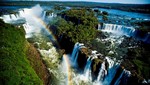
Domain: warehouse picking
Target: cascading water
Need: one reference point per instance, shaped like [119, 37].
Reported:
[106, 75]
[102, 72]
[113, 67]
[33, 19]
[87, 69]
[118, 80]
[121, 30]
[107, 71]
[118, 29]
[75, 52]
[44, 14]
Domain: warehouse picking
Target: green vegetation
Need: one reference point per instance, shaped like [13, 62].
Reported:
[104, 14]
[144, 26]
[78, 25]
[15, 67]
[56, 7]
[140, 57]
[99, 46]
[142, 68]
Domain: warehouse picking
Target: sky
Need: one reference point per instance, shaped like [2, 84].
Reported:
[105, 1]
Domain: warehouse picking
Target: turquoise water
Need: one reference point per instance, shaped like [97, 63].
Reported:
[126, 13]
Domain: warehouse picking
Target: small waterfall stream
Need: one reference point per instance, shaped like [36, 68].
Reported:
[87, 69]
[102, 72]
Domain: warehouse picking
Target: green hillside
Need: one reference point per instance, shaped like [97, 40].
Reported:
[15, 68]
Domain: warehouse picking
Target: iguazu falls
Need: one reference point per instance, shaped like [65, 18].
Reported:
[62, 42]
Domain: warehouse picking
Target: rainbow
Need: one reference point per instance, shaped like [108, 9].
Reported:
[66, 59]
[54, 39]
[35, 13]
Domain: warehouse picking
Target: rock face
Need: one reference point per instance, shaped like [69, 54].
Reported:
[37, 64]
[66, 44]
[83, 56]
[96, 64]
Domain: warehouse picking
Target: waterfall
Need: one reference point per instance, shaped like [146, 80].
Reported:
[75, 52]
[123, 77]
[107, 72]
[113, 67]
[127, 74]
[33, 21]
[13, 16]
[111, 74]
[6, 18]
[44, 15]
[87, 69]
[24, 14]
[102, 72]
[118, 80]
[124, 30]
[106, 76]
[118, 29]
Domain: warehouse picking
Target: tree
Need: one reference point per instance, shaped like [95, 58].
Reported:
[80, 25]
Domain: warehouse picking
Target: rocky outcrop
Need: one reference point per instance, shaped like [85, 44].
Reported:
[38, 64]
[95, 67]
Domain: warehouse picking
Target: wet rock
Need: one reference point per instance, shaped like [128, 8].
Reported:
[82, 58]
[95, 67]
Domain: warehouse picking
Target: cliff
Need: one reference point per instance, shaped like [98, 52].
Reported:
[20, 62]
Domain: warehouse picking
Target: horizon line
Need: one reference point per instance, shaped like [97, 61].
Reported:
[77, 1]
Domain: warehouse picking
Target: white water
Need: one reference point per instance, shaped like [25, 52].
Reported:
[105, 75]
[102, 72]
[121, 30]
[113, 67]
[118, 29]
[75, 52]
[34, 21]
[87, 70]
[44, 15]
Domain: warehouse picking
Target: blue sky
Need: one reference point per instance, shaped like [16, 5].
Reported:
[106, 1]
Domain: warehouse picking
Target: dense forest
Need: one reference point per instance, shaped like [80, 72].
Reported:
[75, 25]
